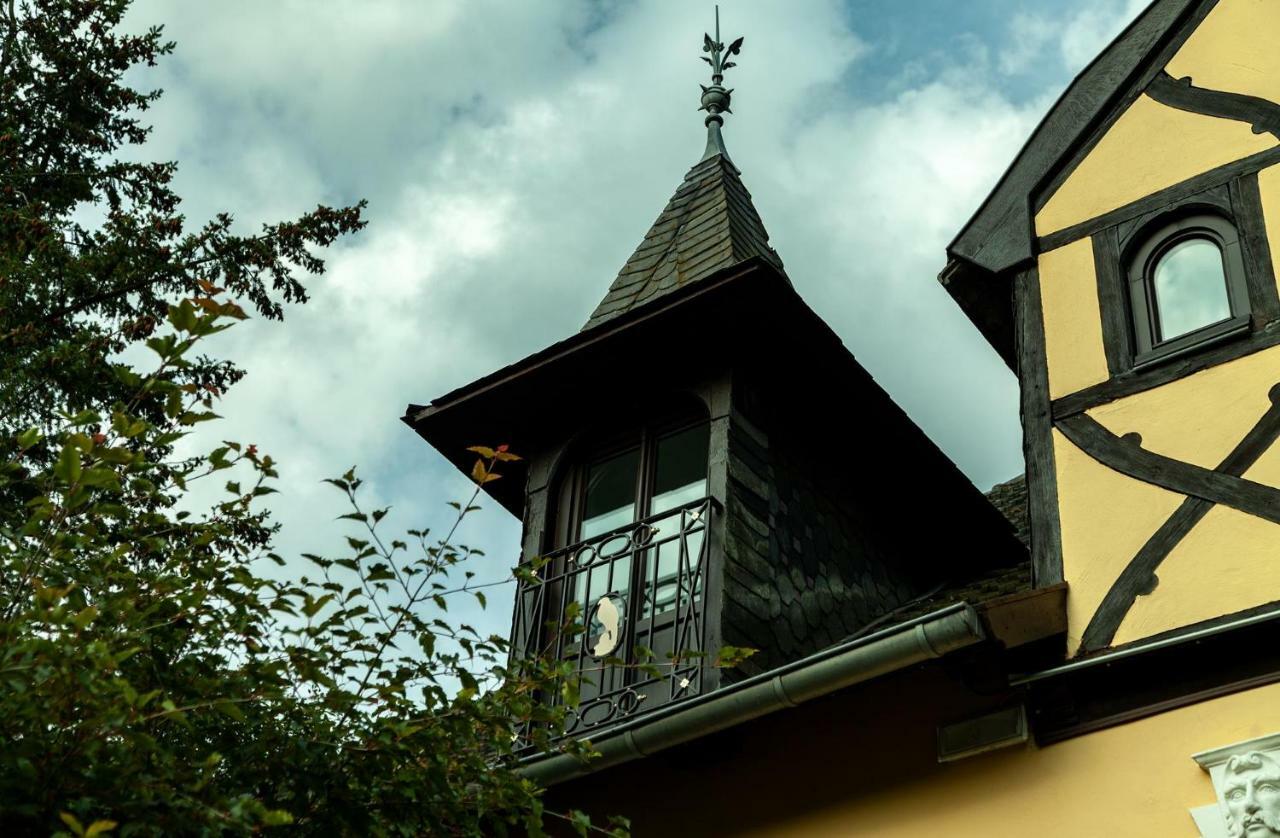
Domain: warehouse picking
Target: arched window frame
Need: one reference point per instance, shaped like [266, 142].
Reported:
[573, 564]
[569, 485]
[1147, 345]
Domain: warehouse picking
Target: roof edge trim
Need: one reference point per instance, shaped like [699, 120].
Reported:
[1070, 121]
[862, 659]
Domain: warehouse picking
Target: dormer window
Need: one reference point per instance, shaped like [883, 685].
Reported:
[663, 470]
[1187, 287]
[630, 520]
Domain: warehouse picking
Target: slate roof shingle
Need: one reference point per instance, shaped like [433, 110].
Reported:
[1010, 498]
[709, 224]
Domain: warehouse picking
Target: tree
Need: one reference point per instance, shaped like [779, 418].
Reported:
[153, 679]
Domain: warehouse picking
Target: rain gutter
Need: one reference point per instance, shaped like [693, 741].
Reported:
[851, 662]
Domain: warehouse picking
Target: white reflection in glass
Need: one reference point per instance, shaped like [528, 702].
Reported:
[610, 503]
[680, 477]
[1190, 288]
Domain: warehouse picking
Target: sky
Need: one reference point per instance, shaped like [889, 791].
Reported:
[514, 154]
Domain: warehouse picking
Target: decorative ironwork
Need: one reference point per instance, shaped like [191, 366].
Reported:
[716, 98]
[717, 54]
[640, 589]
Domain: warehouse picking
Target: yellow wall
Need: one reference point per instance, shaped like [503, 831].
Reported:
[1152, 146]
[1072, 324]
[1226, 564]
[1229, 562]
[1200, 418]
[1149, 148]
[1106, 518]
[1248, 31]
[1133, 780]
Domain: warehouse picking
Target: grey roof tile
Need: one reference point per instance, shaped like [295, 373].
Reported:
[709, 224]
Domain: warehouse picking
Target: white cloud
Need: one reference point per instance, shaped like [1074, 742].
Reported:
[1071, 41]
[514, 155]
[1094, 26]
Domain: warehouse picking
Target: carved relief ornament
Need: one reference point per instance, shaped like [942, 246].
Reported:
[1246, 778]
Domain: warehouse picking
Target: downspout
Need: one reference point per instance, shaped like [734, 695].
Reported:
[835, 668]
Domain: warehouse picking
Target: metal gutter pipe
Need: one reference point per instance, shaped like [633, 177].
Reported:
[1142, 648]
[835, 668]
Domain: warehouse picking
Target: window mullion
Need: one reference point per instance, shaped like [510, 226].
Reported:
[638, 557]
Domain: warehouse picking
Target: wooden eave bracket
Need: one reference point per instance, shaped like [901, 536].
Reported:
[1027, 616]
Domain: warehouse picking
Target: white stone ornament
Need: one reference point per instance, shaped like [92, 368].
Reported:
[1246, 777]
[608, 616]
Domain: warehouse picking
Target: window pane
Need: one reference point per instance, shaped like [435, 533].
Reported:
[611, 494]
[1190, 288]
[680, 475]
[671, 582]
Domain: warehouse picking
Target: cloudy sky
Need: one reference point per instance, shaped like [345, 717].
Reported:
[513, 154]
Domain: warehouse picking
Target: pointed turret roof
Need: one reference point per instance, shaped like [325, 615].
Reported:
[708, 225]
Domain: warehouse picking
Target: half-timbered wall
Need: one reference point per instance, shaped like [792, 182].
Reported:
[1165, 474]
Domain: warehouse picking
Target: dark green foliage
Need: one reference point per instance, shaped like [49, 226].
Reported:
[153, 678]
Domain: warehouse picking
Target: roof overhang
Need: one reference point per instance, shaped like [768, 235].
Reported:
[1000, 237]
[743, 319]
[1092, 692]
[720, 319]
[987, 300]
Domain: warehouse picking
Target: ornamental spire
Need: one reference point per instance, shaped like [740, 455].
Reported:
[715, 99]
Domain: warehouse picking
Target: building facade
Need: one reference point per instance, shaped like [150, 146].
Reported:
[1091, 650]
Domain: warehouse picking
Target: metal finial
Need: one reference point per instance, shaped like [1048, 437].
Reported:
[716, 98]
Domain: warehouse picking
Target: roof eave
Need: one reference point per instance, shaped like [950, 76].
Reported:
[999, 239]
[986, 299]
[1000, 233]
[1009, 622]
[468, 410]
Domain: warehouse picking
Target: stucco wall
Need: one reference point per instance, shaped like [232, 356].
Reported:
[1134, 780]
[863, 762]
[1228, 562]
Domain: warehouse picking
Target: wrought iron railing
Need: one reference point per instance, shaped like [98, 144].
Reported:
[640, 592]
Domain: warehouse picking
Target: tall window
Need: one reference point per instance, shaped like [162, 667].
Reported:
[1187, 286]
[630, 525]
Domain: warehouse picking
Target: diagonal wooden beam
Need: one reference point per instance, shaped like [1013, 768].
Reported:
[1204, 489]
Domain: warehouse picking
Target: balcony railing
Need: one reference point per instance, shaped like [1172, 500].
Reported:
[640, 592]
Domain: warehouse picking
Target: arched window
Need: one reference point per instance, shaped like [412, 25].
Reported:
[628, 554]
[1187, 286]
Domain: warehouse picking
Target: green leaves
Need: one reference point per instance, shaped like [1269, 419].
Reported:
[28, 438]
[312, 605]
[731, 656]
[68, 468]
[98, 827]
[156, 676]
[85, 616]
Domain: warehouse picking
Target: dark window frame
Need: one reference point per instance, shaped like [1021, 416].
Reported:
[567, 507]
[1239, 200]
[1148, 348]
[570, 488]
